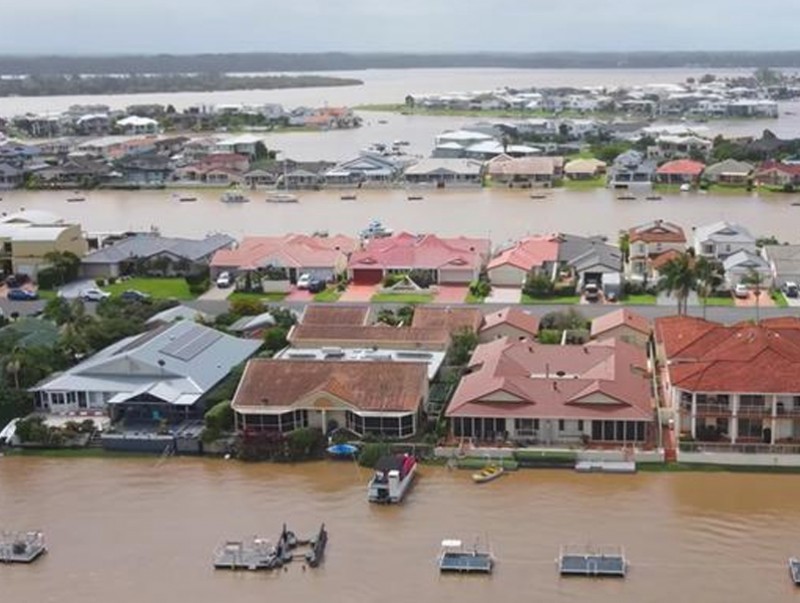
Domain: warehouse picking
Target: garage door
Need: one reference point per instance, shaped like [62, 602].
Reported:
[506, 276]
[367, 276]
[458, 277]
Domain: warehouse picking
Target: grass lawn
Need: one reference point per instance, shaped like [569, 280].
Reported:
[780, 299]
[159, 288]
[564, 299]
[268, 297]
[579, 185]
[719, 301]
[47, 294]
[331, 294]
[473, 299]
[402, 298]
[644, 299]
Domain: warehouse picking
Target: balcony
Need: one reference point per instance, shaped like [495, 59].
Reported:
[754, 411]
[718, 410]
[791, 412]
[787, 447]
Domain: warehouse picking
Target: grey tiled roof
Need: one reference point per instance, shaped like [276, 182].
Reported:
[145, 246]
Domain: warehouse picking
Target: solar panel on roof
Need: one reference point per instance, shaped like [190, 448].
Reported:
[191, 343]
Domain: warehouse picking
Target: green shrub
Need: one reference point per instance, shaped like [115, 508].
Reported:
[100, 282]
[220, 417]
[112, 280]
[538, 285]
[247, 307]
[47, 279]
[480, 288]
[370, 453]
[390, 280]
[550, 336]
[275, 339]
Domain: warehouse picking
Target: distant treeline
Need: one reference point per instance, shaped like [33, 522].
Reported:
[270, 62]
[50, 85]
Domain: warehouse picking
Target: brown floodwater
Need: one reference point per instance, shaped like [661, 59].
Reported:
[139, 530]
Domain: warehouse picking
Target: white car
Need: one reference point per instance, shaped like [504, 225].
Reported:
[224, 280]
[741, 291]
[94, 295]
[304, 281]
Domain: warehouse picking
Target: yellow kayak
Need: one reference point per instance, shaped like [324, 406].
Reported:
[487, 474]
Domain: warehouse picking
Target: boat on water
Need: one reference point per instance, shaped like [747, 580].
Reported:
[314, 556]
[187, 199]
[261, 554]
[626, 197]
[653, 197]
[282, 198]
[392, 479]
[487, 474]
[794, 570]
[455, 558]
[76, 199]
[686, 187]
[415, 197]
[376, 230]
[348, 197]
[342, 451]
[234, 197]
[21, 547]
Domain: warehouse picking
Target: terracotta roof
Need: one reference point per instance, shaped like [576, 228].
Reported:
[682, 166]
[600, 380]
[335, 315]
[658, 261]
[406, 250]
[355, 336]
[525, 166]
[786, 168]
[293, 251]
[657, 231]
[514, 317]
[527, 253]
[707, 356]
[450, 319]
[366, 386]
[617, 318]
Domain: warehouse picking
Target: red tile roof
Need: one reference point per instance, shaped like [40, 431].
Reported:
[335, 315]
[450, 319]
[528, 253]
[357, 336]
[682, 166]
[366, 386]
[657, 231]
[404, 251]
[786, 168]
[514, 317]
[600, 380]
[658, 261]
[292, 251]
[622, 317]
[710, 357]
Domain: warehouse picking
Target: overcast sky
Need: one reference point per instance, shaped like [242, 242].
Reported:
[185, 26]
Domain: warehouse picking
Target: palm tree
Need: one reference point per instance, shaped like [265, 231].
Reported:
[755, 280]
[678, 277]
[14, 365]
[710, 275]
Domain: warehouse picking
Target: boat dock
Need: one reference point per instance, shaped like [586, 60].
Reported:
[605, 466]
[22, 547]
[454, 558]
[794, 569]
[596, 562]
[260, 554]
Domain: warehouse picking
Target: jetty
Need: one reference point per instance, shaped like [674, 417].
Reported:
[261, 554]
[454, 558]
[21, 547]
[794, 570]
[598, 562]
[605, 466]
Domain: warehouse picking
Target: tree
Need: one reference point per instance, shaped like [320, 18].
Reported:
[275, 339]
[710, 275]
[755, 280]
[538, 285]
[678, 277]
[625, 245]
[461, 346]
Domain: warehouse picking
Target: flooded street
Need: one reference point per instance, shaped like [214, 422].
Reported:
[134, 530]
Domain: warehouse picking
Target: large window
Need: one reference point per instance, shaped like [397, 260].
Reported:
[619, 431]
[482, 429]
[751, 428]
[526, 426]
[390, 427]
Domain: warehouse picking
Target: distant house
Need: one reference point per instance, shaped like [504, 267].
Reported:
[680, 171]
[377, 398]
[631, 168]
[676, 147]
[624, 325]
[649, 241]
[591, 260]
[75, 172]
[446, 260]
[525, 172]
[28, 236]
[511, 266]
[242, 144]
[160, 374]
[721, 239]
[512, 323]
[10, 176]
[775, 173]
[729, 171]
[134, 125]
[364, 169]
[742, 264]
[260, 177]
[594, 394]
[584, 169]
[216, 168]
[444, 172]
[154, 253]
[784, 261]
[144, 170]
[452, 319]
[175, 314]
[252, 327]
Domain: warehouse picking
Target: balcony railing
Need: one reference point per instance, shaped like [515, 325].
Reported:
[712, 409]
[784, 448]
[754, 411]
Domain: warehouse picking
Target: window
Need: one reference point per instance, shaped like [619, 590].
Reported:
[580, 425]
[561, 424]
[751, 428]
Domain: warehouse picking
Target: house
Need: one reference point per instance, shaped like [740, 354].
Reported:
[623, 325]
[594, 394]
[526, 171]
[151, 253]
[10, 176]
[511, 323]
[775, 173]
[729, 171]
[28, 236]
[511, 266]
[93, 124]
[366, 168]
[292, 254]
[489, 149]
[591, 260]
[133, 125]
[631, 168]
[721, 239]
[246, 145]
[320, 315]
[147, 170]
[160, 374]
[732, 385]
[452, 319]
[75, 172]
[649, 241]
[260, 177]
[252, 327]
[742, 264]
[215, 167]
[675, 147]
[378, 398]
[680, 171]
[175, 314]
[784, 262]
[368, 337]
[444, 172]
[584, 169]
[445, 260]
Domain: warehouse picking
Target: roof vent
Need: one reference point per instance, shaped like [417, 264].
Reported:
[555, 386]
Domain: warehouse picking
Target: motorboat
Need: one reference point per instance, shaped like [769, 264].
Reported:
[234, 197]
[376, 230]
[342, 451]
[413, 197]
[348, 197]
[686, 187]
[23, 547]
[626, 197]
[487, 474]
[392, 479]
[282, 198]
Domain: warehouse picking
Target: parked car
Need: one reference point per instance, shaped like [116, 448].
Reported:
[224, 280]
[132, 295]
[94, 295]
[741, 291]
[304, 281]
[317, 285]
[22, 295]
[790, 289]
[591, 292]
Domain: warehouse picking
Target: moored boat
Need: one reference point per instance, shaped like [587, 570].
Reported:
[234, 197]
[24, 547]
[794, 569]
[376, 230]
[392, 479]
[488, 473]
[76, 199]
[342, 451]
[282, 198]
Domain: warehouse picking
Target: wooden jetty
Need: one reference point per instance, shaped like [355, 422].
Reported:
[454, 558]
[794, 570]
[21, 547]
[599, 562]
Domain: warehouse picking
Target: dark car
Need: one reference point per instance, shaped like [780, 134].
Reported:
[22, 295]
[317, 286]
[132, 295]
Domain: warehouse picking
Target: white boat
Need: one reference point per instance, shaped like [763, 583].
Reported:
[686, 187]
[392, 479]
[376, 230]
[282, 198]
[234, 197]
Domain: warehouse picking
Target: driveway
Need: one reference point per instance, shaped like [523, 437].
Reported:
[358, 293]
[669, 300]
[504, 295]
[73, 290]
[216, 294]
[299, 295]
[451, 294]
[764, 300]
